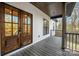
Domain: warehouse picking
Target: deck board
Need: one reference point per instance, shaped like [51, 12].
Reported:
[47, 47]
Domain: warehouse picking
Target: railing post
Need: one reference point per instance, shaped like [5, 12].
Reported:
[63, 26]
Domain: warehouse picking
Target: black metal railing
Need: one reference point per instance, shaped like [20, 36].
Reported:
[72, 41]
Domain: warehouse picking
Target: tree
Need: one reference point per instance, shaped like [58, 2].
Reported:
[74, 17]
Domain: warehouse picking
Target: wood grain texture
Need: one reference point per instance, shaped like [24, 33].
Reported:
[43, 6]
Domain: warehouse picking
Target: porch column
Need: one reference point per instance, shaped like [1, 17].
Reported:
[63, 26]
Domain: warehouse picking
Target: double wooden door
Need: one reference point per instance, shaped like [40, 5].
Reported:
[17, 28]
[26, 28]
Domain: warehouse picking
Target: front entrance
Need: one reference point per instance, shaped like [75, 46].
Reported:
[16, 28]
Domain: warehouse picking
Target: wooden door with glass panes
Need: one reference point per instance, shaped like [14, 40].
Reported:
[26, 27]
[15, 29]
[11, 22]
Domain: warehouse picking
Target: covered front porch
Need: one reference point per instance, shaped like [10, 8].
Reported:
[35, 35]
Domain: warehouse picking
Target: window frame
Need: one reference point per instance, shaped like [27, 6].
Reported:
[45, 27]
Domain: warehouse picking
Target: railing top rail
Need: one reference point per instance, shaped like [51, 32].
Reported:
[73, 33]
[58, 30]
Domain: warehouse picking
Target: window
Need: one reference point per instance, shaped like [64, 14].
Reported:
[11, 22]
[53, 27]
[59, 24]
[45, 27]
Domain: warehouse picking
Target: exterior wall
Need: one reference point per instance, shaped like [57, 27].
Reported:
[52, 27]
[38, 17]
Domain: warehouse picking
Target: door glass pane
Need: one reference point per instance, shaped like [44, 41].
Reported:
[25, 20]
[15, 31]
[7, 18]
[29, 20]
[24, 28]
[8, 31]
[7, 11]
[8, 25]
[15, 17]
[15, 25]
[29, 29]
[7, 15]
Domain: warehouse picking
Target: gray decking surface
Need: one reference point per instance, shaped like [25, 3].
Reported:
[47, 47]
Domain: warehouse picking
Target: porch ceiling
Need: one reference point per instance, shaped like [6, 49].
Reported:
[50, 8]
[54, 9]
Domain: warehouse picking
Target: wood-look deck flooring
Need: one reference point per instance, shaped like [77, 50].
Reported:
[47, 47]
